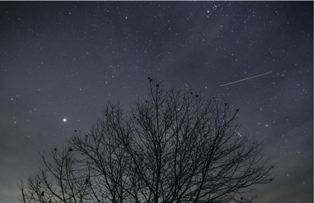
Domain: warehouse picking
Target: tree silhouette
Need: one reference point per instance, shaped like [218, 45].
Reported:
[175, 146]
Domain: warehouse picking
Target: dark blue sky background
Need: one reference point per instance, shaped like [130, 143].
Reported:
[66, 59]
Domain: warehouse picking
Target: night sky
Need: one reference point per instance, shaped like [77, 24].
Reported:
[60, 62]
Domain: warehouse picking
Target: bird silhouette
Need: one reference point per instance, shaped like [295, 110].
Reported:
[86, 138]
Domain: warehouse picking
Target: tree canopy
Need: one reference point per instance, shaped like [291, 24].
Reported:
[175, 146]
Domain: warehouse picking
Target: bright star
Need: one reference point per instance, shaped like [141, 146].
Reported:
[64, 120]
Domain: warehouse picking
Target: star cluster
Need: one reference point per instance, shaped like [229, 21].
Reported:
[60, 62]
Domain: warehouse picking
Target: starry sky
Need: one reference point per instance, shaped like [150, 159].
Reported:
[60, 62]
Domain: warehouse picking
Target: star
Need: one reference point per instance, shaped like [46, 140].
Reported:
[64, 120]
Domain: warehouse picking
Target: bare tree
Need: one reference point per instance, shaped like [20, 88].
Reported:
[176, 146]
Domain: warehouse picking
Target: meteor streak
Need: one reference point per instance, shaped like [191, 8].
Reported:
[230, 83]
